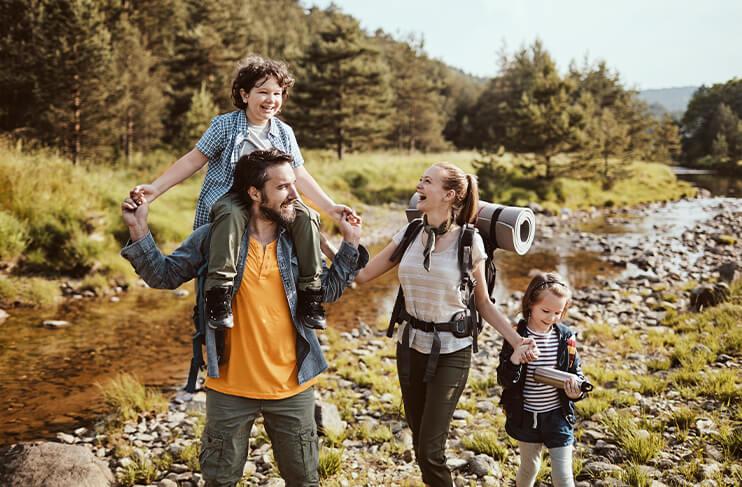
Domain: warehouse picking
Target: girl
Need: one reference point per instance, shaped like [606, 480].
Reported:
[430, 275]
[540, 414]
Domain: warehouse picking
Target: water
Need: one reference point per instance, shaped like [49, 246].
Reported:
[49, 376]
[717, 184]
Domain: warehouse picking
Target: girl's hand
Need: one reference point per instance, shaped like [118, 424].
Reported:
[524, 354]
[531, 352]
[572, 388]
[338, 212]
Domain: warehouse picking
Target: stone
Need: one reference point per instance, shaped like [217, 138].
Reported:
[167, 483]
[3, 315]
[456, 463]
[600, 469]
[55, 324]
[328, 418]
[45, 464]
[482, 465]
[461, 414]
[705, 426]
[181, 293]
[64, 437]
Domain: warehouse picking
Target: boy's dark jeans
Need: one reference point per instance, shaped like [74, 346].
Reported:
[228, 223]
[429, 408]
[290, 426]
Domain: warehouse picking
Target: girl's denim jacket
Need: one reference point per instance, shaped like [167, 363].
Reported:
[190, 261]
[513, 377]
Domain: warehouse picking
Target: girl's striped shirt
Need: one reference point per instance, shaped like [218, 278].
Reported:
[537, 397]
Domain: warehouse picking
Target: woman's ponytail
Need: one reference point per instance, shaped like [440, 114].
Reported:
[470, 207]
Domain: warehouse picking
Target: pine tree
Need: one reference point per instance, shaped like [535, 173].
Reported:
[74, 76]
[343, 97]
[197, 119]
[419, 117]
[138, 99]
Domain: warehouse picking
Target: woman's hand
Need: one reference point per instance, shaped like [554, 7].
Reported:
[525, 352]
[572, 388]
[142, 193]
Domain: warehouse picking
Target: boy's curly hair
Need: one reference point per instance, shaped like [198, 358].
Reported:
[254, 69]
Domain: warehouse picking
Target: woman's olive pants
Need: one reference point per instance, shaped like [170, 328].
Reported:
[429, 408]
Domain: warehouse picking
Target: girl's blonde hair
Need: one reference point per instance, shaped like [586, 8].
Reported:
[542, 282]
[466, 202]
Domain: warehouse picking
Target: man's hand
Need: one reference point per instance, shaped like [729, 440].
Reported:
[338, 212]
[143, 192]
[350, 228]
[135, 217]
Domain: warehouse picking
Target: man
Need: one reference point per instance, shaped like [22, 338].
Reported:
[273, 361]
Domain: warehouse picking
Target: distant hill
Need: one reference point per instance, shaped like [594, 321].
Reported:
[668, 100]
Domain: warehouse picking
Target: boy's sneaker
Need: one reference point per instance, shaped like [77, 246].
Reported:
[311, 313]
[219, 307]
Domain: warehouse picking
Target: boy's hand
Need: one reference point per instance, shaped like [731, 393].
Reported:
[338, 212]
[143, 192]
[572, 388]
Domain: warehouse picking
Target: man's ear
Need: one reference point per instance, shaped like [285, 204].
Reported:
[254, 194]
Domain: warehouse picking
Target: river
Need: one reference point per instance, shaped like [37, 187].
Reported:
[50, 376]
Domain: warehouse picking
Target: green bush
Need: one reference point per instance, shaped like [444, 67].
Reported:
[14, 237]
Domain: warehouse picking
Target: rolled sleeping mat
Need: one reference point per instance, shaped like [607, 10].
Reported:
[505, 227]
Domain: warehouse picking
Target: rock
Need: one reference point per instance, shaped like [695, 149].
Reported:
[456, 463]
[44, 464]
[705, 426]
[65, 438]
[728, 272]
[461, 414]
[600, 469]
[328, 418]
[115, 299]
[181, 293]
[482, 465]
[167, 483]
[55, 324]
[3, 315]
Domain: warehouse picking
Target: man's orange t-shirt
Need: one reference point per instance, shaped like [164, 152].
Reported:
[262, 345]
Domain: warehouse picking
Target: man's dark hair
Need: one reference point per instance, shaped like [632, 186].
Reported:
[252, 170]
[254, 69]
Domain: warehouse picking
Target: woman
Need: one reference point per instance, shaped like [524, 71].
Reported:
[430, 276]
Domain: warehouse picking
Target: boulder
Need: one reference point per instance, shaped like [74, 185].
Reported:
[328, 418]
[45, 464]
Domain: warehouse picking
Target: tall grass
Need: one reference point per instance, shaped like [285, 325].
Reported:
[128, 397]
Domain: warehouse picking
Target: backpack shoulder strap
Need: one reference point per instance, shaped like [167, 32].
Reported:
[399, 312]
[413, 228]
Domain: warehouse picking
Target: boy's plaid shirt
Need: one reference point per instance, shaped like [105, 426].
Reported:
[222, 143]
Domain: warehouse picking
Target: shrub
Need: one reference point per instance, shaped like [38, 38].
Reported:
[330, 460]
[129, 398]
[639, 446]
[14, 238]
[486, 442]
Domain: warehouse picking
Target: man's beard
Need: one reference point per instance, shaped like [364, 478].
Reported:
[285, 216]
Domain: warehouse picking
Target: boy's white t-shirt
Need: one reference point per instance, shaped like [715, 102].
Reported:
[435, 295]
[257, 138]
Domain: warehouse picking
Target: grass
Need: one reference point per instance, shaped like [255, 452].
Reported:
[635, 476]
[128, 397]
[730, 438]
[638, 445]
[330, 461]
[140, 470]
[378, 434]
[189, 456]
[31, 291]
[486, 442]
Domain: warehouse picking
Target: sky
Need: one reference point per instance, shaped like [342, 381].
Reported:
[651, 43]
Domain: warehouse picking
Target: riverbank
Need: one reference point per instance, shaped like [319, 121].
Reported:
[665, 410]
[61, 234]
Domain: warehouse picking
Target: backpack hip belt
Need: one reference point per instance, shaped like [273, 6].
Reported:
[460, 325]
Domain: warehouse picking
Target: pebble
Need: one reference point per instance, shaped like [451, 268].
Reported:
[55, 324]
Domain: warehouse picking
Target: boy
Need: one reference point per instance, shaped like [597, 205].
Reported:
[259, 89]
